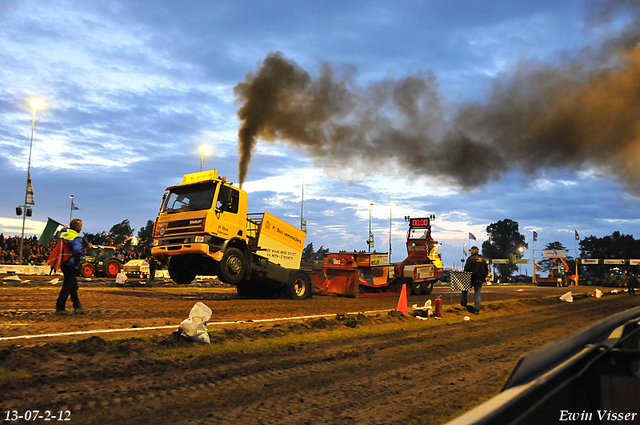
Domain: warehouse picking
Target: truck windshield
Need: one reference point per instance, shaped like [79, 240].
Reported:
[190, 198]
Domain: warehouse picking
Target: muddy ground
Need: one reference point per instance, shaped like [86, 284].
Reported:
[378, 367]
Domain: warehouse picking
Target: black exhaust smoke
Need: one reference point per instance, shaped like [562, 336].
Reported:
[582, 114]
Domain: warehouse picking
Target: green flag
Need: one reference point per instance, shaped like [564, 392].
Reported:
[49, 231]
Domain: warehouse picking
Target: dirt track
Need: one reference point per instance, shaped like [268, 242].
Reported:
[358, 369]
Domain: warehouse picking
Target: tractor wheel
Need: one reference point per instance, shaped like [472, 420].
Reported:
[111, 268]
[87, 270]
[299, 286]
[180, 272]
[233, 266]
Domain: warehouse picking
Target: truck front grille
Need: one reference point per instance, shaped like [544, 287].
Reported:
[185, 226]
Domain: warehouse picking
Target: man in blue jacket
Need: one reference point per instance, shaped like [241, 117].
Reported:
[70, 266]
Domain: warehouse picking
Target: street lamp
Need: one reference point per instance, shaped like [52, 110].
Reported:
[204, 149]
[35, 104]
[521, 251]
[370, 242]
[390, 208]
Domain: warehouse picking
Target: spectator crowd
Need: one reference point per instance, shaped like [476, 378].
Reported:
[34, 254]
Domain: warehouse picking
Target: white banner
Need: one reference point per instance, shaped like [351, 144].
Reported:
[554, 253]
[618, 262]
[590, 261]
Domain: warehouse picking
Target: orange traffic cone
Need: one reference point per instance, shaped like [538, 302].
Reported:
[402, 302]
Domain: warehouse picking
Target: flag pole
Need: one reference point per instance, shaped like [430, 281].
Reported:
[576, 246]
[26, 193]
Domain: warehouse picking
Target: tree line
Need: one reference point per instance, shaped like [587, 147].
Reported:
[505, 240]
[121, 234]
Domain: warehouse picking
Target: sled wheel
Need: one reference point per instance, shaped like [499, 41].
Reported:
[416, 287]
[299, 286]
[427, 287]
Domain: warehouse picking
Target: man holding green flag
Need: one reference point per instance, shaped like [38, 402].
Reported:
[71, 237]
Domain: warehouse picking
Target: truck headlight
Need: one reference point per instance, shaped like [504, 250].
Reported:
[199, 238]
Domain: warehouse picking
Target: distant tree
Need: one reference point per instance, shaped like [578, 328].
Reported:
[614, 246]
[120, 232]
[100, 238]
[504, 241]
[307, 252]
[319, 255]
[145, 234]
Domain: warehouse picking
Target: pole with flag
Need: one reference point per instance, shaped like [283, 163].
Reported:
[577, 238]
[74, 207]
[471, 236]
[533, 255]
[28, 195]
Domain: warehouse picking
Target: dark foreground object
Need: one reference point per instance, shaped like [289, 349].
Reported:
[590, 376]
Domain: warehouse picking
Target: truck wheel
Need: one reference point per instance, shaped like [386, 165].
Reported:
[299, 286]
[111, 268]
[87, 270]
[180, 272]
[233, 266]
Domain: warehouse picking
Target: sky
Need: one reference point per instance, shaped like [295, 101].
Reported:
[473, 110]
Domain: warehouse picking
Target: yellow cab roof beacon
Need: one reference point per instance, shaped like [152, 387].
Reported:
[203, 228]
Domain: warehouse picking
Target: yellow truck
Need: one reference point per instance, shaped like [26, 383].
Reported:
[203, 228]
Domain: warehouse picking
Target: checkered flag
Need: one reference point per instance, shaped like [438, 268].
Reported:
[460, 281]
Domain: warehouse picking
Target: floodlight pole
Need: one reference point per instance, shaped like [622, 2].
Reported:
[26, 191]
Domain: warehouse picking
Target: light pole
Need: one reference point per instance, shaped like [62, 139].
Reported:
[303, 225]
[35, 104]
[370, 234]
[204, 149]
[390, 212]
[71, 213]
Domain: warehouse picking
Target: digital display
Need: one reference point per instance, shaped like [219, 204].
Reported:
[419, 222]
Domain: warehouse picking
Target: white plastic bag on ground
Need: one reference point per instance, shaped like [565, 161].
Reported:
[121, 278]
[567, 297]
[195, 325]
[423, 312]
[597, 293]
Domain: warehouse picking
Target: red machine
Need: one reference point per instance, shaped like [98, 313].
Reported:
[361, 274]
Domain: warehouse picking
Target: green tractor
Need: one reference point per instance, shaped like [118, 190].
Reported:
[100, 261]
